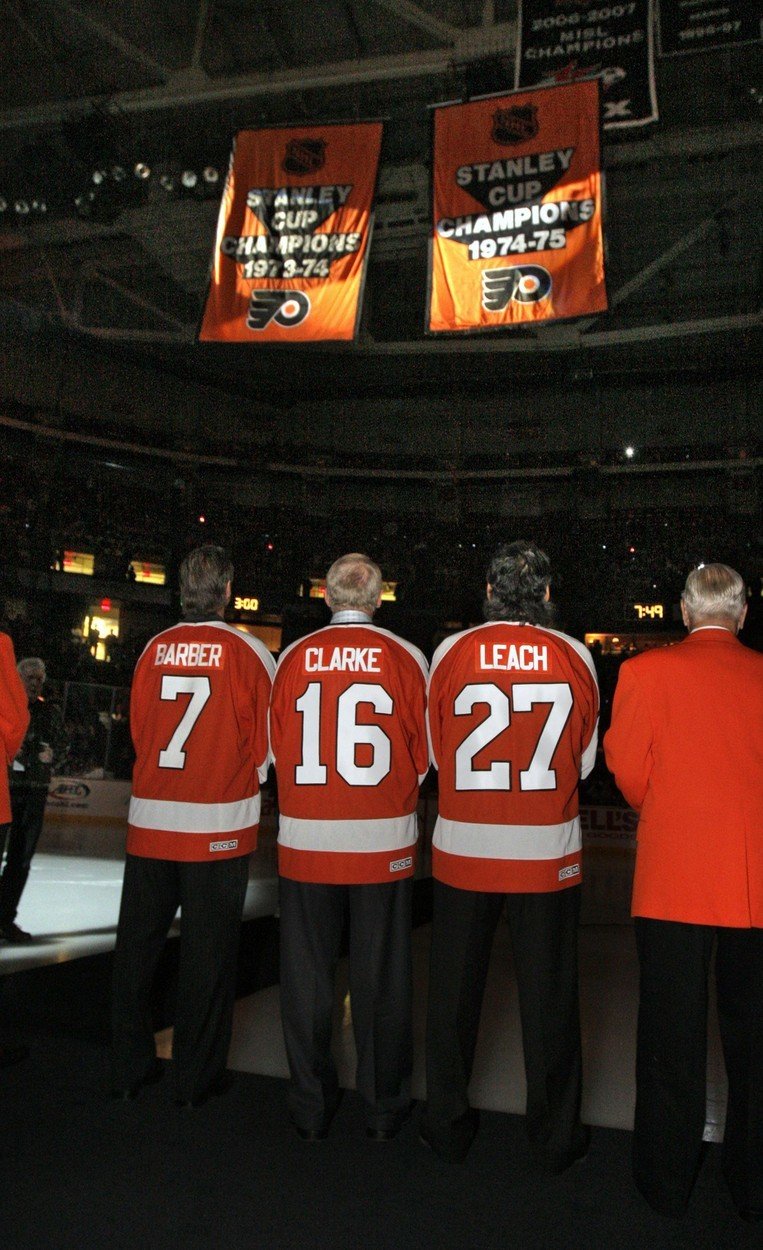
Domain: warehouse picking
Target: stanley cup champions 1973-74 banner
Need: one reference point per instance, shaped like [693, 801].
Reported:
[293, 234]
[517, 210]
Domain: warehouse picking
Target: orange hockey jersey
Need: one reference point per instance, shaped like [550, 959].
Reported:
[198, 717]
[348, 735]
[14, 719]
[513, 716]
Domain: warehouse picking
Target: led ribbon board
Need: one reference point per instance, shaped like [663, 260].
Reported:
[517, 210]
[293, 234]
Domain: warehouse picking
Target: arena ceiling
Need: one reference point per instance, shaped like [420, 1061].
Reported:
[88, 84]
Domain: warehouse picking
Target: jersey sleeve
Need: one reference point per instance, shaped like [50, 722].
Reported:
[629, 740]
[254, 699]
[14, 710]
[590, 722]
[416, 727]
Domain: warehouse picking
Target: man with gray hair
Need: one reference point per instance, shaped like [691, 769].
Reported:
[29, 777]
[198, 718]
[349, 743]
[686, 750]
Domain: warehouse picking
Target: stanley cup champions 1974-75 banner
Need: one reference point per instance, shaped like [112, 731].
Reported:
[293, 234]
[517, 210]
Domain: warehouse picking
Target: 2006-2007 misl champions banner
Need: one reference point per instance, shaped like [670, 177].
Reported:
[517, 210]
[293, 234]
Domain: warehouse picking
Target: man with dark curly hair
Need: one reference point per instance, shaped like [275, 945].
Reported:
[513, 714]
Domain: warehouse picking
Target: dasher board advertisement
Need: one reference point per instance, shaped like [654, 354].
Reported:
[564, 40]
[517, 233]
[293, 234]
[693, 25]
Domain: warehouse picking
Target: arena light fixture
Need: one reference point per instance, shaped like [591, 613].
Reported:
[99, 176]
[167, 183]
[630, 452]
[22, 208]
[189, 178]
[142, 171]
[211, 175]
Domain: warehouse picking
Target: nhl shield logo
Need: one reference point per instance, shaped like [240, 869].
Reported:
[515, 125]
[304, 156]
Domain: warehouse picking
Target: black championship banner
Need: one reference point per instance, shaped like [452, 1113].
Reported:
[693, 25]
[564, 40]
[293, 234]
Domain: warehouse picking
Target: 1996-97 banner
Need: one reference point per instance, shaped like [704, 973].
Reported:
[517, 210]
[293, 234]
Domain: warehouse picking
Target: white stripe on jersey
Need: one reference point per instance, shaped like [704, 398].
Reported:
[391, 833]
[458, 837]
[203, 818]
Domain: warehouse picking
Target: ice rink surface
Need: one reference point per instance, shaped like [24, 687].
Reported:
[71, 905]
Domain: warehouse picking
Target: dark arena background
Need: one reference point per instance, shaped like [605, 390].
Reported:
[626, 443]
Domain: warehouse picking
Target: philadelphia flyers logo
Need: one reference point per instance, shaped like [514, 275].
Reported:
[285, 308]
[524, 283]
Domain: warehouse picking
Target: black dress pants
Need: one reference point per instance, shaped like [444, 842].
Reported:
[671, 1060]
[544, 940]
[313, 917]
[211, 899]
[27, 815]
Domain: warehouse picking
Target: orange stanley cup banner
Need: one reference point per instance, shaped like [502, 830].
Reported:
[517, 210]
[293, 234]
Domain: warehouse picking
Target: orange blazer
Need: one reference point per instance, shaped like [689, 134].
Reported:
[14, 719]
[686, 750]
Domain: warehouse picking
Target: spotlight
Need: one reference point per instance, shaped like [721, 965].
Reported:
[22, 207]
[630, 452]
[167, 182]
[99, 176]
[83, 204]
[3, 204]
[142, 171]
[40, 207]
[189, 178]
[211, 175]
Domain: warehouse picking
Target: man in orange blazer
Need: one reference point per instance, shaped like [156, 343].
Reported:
[686, 750]
[14, 721]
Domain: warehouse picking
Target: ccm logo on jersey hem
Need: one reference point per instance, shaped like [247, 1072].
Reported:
[342, 660]
[398, 865]
[573, 870]
[224, 846]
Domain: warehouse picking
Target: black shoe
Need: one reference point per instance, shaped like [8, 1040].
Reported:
[12, 1054]
[311, 1134]
[12, 933]
[555, 1166]
[456, 1146]
[219, 1086]
[388, 1131]
[126, 1093]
